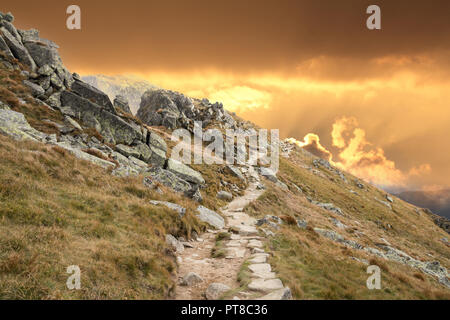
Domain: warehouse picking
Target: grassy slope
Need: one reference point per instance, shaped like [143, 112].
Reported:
[56, 211]
[317, 268]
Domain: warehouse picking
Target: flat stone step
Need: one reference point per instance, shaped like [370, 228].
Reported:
[260, 267]
[247, 230]
[259, 259]
[263, 285]
[282, 294]
[255, 244]
[263, 275]
[234, 253]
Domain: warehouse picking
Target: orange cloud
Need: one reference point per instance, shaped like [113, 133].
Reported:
[358, 156]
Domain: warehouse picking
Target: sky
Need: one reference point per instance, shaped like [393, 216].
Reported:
[373, 102]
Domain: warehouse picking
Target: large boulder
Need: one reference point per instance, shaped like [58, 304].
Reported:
[164, 108]
[168, 179]
[17, 49]
[93, 94]
[112, 127]
[185, 172]
[36, 90]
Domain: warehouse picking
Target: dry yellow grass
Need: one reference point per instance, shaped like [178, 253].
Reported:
[57, 211]
[317, 268]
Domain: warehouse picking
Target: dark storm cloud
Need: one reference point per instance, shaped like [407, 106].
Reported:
[241, 36]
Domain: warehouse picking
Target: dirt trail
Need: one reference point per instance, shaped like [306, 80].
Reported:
[246, 244]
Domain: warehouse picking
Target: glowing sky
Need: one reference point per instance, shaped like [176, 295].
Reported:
[300, 66]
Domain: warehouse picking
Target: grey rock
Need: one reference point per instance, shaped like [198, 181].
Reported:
[8, 17]
[210, 217]
[173, 206]
[194, 193]
[10, 27]
[268, 174]
[105, 122]
[15, 125]
[158, 157]
[302, 224]
[4, 47]
[264, 285]
[157, 141]
[36, 90]
[224, 195]
[18, 50]
[127, 151]
[45, 70]
[93, 94]
[281, 294]
[174, 243]
[55, 101]
[184, 172]
[31, 35]
[168, 179]
[235, 171]
[216, 290]
[191, 279]
[121, 103]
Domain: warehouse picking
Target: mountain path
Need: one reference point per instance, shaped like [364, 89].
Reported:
[245, 245]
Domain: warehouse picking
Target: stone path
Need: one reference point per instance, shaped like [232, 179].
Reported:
[245, 245]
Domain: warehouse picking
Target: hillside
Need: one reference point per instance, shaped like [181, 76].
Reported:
[85, 182]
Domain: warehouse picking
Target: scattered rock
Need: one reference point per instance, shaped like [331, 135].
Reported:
[216, 290]
[302, 224]
[181, 211]
[191, 279]
[224, 195]
[174, 243]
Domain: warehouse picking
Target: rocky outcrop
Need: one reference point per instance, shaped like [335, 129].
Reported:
[174, 110]
[113, 128]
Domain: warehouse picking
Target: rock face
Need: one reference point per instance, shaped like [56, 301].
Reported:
[210, 217]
